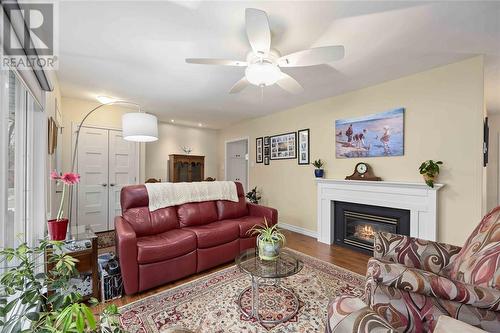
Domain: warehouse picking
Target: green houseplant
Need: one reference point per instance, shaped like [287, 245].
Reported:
[253, 196]
[430, 170]
[270, 240]
[25, 304]
[319, 172]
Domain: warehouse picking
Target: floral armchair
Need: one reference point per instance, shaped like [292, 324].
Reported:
[411, 282]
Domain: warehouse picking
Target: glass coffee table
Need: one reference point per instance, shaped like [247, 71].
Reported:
[266, 278]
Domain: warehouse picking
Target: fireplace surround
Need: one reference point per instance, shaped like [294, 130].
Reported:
[356, 224]
[418, 198]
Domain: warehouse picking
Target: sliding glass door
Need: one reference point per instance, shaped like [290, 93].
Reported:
[18, 170]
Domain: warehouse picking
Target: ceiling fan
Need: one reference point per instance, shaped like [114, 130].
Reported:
[263, 63]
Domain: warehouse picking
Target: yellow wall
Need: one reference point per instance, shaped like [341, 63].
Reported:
[202, 141]
[153, 156]
[443, 120]
[492, 184]
[73, 111]
[52, 99]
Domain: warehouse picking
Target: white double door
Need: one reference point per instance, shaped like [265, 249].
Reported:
[106, 163]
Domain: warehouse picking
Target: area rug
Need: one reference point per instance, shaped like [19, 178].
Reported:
[105, 239]
[209, 304]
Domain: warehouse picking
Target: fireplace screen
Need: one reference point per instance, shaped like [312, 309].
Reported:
[356, 224]
[360, 228]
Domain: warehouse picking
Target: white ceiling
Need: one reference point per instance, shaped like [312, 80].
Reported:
[135, 50]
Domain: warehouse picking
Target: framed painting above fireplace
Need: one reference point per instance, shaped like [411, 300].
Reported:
[356, 224]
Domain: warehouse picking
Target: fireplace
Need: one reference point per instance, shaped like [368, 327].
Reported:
[356, 224]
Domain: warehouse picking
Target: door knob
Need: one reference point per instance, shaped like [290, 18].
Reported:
[112, 184]
[104, 185]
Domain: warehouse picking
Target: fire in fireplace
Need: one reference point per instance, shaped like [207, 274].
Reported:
[355, 225]
[364, 232]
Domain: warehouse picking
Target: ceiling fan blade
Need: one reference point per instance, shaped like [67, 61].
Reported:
[239, 86]
[223, 62]
[311, 57]
[289, 84]
[258, 31]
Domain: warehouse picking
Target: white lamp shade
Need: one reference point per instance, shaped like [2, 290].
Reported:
[140, 127]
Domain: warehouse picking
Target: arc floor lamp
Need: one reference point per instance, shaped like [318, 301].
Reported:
[136, 127]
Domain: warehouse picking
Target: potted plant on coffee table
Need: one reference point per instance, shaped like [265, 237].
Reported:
[59, 226]
[270, 240]
[319, 172]
[430, 170]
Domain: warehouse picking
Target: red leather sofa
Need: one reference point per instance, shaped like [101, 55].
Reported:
[170, 243]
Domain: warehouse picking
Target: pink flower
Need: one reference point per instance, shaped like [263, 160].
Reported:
[70, 178]
[54, 175]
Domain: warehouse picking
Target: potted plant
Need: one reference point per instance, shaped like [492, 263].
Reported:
[31, 297]
[430, 170]
[319, 172]
[59, 226]
[253, 196]
[270, 240]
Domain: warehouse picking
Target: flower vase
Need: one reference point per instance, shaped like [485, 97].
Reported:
[57, 229]
[319, 173]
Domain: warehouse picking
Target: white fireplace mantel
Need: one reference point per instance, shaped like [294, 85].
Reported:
[418, 198]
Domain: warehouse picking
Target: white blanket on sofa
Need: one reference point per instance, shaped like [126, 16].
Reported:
[163, 195]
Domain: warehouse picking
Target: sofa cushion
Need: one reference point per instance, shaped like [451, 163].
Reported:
[197, 213]
[215, 233]
[134, 202]
[164, 246]
[478, 263]
[232, 210]
[246, 223]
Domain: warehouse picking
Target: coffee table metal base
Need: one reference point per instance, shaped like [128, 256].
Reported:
[254, 291]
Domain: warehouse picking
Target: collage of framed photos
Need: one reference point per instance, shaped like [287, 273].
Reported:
[283, 146]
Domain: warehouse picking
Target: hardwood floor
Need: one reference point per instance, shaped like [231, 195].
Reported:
[343, 257]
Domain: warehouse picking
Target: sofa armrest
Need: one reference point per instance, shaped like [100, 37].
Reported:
[126, 246]
[430, 284]
[269, 213]
[413, 252]
[349, 314]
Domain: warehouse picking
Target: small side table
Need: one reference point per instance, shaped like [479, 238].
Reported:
[261, 270]
[86, 256]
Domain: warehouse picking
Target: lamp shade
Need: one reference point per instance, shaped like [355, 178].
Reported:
[140, 127]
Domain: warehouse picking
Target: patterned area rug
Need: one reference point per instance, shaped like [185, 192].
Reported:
[105, 239]
[209, 303]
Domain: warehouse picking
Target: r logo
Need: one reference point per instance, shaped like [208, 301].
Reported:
[35, 35]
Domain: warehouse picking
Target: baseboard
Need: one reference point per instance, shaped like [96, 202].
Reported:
[299, 230]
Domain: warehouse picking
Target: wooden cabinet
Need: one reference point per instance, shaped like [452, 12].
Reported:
[186, 168]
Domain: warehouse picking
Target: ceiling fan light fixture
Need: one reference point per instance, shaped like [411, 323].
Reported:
[263, 73]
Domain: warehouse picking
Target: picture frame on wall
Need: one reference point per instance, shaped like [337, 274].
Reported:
[266, 141]
[283, 146]
[375, 135]
[266, 160]
[266, 151]
[303, 146]
[259, 151]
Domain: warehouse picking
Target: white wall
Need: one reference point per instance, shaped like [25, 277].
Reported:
[202, 141]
